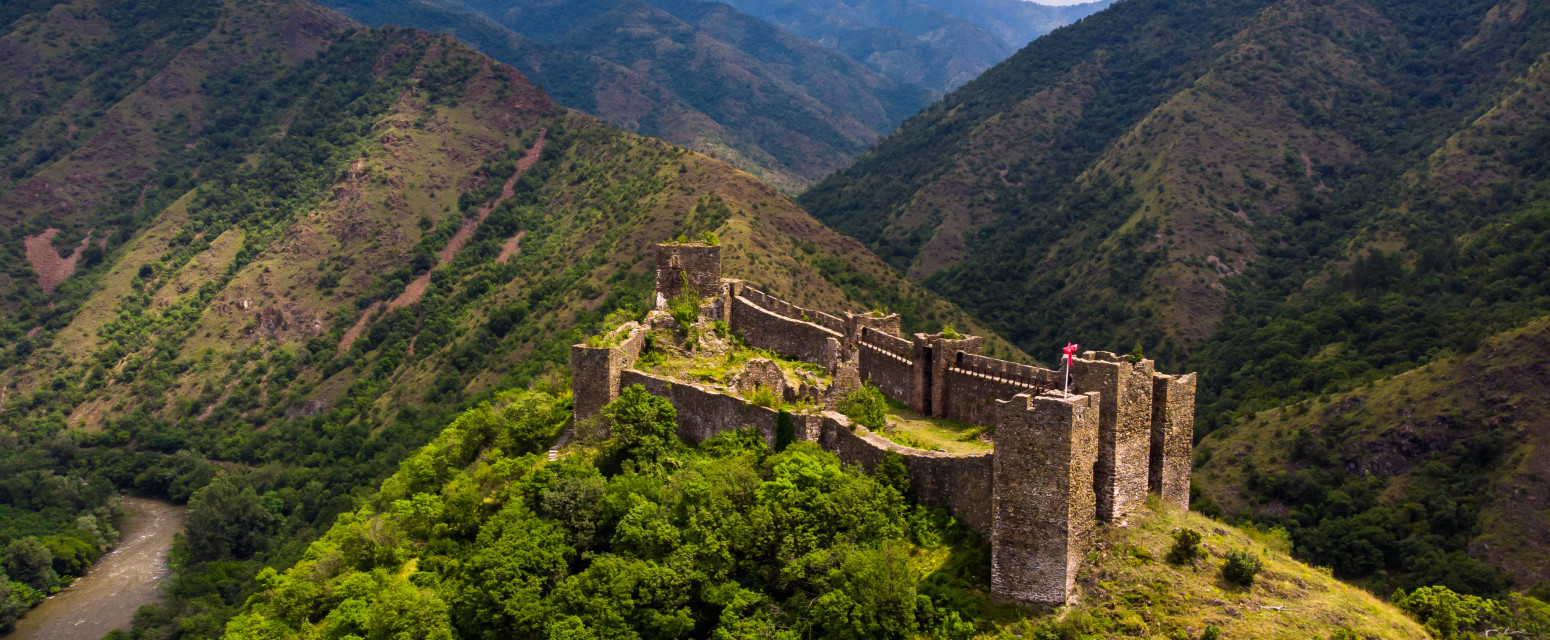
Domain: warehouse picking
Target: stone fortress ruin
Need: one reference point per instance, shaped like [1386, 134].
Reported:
[1060, 462]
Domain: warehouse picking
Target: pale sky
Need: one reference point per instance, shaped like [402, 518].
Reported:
[1060, 2]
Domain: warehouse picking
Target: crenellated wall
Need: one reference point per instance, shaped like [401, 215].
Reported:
[784, 335]
[889, 363]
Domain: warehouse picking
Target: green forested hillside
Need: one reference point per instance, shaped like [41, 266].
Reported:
[1292, 198]
[259, 251]
[698, 74]
[644, 536]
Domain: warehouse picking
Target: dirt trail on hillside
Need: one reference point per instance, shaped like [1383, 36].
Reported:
[51, 268]
[416, 289]
[354, 332]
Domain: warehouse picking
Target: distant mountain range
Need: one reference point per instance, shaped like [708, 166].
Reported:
[789, 91]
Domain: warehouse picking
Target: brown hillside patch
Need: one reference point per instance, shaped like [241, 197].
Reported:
[511, 247]
[51, 268]
[416, 289]
[354, 332]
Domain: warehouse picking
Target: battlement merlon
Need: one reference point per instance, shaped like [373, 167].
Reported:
[1043, 502]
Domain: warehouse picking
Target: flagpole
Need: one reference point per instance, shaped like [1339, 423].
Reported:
[1070, 351]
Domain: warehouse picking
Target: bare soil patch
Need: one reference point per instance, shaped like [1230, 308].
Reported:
[354, 332]
[51, 268]
[512, 246]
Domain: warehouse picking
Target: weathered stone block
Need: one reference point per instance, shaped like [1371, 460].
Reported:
[1124, 428]
[1173, 434]
[761, 372]
[1043, 502]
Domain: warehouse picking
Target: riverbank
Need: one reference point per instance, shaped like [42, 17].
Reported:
[118, 584]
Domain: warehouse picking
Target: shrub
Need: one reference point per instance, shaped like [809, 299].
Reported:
[710, 239]
[1212, 632]
[950, 333]
[866, 405]
[1186, 547]
[685, 306]
[1445, 614]
[1240, 568]
[764, 397]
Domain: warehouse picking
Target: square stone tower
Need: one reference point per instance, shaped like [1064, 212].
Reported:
[1124, 428]
[699, 261]
[1043, 502]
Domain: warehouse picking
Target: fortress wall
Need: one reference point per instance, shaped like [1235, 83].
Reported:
[889, 363]
[961, 482]
[1124, 428]
[1173, 434]
[1043, 502]
[786, 336]
[704, 412]
[701, 262]
[781, 307]
[972, 384]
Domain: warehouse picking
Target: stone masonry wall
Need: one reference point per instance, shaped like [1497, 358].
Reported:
[704, 412]
[1173, 435]
[888, 362]
[960, 482]
[781, 307]
[789, 337]
[701, 262]
[1124, 428]
[1043, 500]
[973, 384]
[595, 370]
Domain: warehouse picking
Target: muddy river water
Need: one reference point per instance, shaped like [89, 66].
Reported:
[121, 581]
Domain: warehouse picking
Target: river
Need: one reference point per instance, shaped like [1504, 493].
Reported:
[106, 597]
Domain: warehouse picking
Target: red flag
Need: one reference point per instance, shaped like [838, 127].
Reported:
[1070, 351]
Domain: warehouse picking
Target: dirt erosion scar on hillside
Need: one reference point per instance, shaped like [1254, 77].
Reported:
[415, 289]
[51, 268]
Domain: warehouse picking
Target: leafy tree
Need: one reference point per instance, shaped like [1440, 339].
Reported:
[645, 425]
[29, 562]
[866, 405]
[225, 521]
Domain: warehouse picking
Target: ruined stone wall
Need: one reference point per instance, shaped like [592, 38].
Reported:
[704, 412]
[960, 482]
[786, 336]
[1043, 502]
[1124, 428]
[595, 370]
[889, 363]
[701, 262]
[973, 384]
[1173, 435]
[854, 323]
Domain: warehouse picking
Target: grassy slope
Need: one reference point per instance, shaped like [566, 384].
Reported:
[1395, 428]
[1129, 584]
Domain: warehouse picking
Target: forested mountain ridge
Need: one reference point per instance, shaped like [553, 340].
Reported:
[1294, 199]
[698, 74]
[272, 252]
